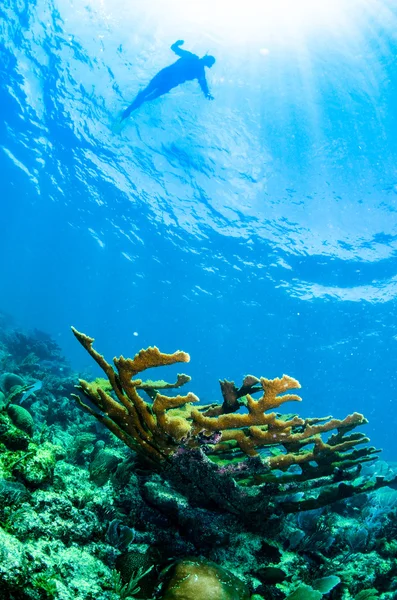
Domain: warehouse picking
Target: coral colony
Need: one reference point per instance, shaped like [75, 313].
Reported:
[301, 472]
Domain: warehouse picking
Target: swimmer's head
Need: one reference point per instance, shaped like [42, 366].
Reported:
[208, 61]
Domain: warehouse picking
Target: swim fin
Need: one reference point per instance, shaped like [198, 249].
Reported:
[119, 125]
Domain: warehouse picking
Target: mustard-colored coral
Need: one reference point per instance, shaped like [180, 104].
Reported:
[241, 427]
[147, 429]
[263, 428]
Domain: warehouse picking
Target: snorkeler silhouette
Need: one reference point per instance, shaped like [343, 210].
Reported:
[188, 67]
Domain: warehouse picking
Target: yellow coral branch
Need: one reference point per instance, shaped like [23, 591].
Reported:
[157, 430]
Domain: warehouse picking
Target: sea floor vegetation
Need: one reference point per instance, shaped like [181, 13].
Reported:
[147, 495]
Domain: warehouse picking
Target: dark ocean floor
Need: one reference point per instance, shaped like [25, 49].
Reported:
[81, 517]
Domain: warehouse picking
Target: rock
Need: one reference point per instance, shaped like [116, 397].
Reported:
[37, 468]
[271, 575]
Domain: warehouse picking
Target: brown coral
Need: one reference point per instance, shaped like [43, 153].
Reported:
[198, 579]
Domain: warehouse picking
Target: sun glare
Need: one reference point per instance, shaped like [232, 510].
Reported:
[242, 18]
[259, 21]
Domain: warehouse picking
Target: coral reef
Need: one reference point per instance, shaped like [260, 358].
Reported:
[84, 517]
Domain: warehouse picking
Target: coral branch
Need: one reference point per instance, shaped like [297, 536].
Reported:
[143, 427]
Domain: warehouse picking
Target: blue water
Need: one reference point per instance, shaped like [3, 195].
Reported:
[257, 232]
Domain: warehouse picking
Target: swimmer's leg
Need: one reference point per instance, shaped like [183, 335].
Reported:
[139, 100]
[158, 86]
[157, 93]
[145, 95]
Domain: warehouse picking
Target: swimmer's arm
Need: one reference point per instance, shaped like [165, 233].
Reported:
[176, 47]
[204, 87]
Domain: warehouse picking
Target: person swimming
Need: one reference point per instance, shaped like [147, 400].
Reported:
[188, 67]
